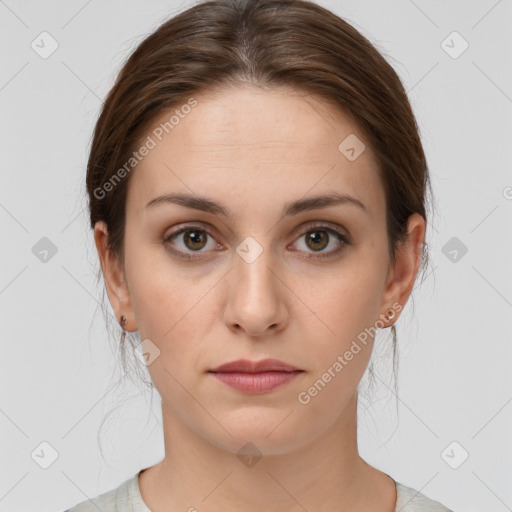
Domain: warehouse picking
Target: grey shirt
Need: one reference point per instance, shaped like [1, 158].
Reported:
[127, 498]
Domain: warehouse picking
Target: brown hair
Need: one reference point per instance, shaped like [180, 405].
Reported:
[267, 43]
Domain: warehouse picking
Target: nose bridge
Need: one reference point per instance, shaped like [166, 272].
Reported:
[253, 261]
[256, 301]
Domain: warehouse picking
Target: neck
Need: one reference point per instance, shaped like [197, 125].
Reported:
[327, 474]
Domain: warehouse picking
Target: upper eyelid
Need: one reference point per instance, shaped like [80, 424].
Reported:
[185, 226]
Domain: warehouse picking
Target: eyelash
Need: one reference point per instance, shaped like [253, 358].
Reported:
[194, 255]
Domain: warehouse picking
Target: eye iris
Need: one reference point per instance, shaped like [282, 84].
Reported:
[312, 236]
[197, 237]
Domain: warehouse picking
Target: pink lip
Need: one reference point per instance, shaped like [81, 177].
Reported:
[255, 376]
[247, 366]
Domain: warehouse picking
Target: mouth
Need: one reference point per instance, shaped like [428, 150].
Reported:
[255, 376]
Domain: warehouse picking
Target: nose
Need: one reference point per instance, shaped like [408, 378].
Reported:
[255, 303]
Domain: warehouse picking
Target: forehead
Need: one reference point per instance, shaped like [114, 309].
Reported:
[250, 141]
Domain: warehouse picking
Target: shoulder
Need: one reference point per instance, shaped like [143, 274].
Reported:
[410, 500]
[116, 500]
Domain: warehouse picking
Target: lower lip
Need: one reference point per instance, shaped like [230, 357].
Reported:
[255, 382]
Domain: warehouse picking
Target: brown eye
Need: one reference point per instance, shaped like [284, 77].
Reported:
[317, 240]
[325, 241]
[194, 239]
[184, 242]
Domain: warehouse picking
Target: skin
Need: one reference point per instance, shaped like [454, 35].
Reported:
[254, 150]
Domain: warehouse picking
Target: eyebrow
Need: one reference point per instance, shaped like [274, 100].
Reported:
[291, 208]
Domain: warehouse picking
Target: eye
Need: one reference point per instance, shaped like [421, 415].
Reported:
[319, 237]
[188, 240]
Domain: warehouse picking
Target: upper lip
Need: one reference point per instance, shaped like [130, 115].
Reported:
[247, 366]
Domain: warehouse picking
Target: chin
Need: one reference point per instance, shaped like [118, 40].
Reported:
[259, 437]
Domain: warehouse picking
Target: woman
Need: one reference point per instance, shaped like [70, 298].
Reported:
[257, 190]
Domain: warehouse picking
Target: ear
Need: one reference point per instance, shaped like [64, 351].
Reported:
[115, 281]
[401, 276]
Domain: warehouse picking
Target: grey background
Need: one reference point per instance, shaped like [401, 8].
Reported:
[59, 371]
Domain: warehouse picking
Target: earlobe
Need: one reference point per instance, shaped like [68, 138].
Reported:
[114, 278]
[402, 276]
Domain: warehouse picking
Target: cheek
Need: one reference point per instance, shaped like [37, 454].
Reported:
[338, 347]
[342, 304]
[167, 297]
[177, 316]
[340, 323]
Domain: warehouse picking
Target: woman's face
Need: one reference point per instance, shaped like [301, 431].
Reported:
[266, 279]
